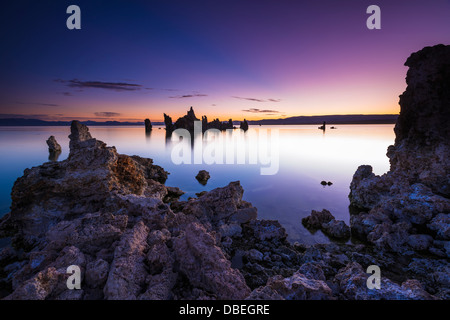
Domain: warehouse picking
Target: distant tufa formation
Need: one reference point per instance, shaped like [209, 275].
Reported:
[187, 122]
[148, 125]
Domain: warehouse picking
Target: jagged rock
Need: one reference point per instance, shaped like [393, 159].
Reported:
[299, 287]
[151, 171]
[128, 271]
[415, 192]
[264, 293]
[420, 242]
[79, 133]
[353, 286]
[254, 255]
[317, 218]
[53, 145]
[312, 271]
[54, 149]
[244, 215]
[441, 225]
[203, 177]
[267, 230]
[196, 250]
[220, 204]
[97, 273]
[91, 176]
[336, 229]
[40, 287]
[187, 122]
[88, 232]
[231, 230]
[168, 122]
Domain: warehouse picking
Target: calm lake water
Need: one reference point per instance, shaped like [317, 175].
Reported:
[304, 154]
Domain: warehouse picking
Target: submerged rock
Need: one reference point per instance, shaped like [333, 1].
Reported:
[326, 222]
[317, 218]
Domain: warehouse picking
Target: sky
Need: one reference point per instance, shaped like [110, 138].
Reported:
[253, 59]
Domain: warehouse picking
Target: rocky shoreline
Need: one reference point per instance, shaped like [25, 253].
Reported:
[113, 216]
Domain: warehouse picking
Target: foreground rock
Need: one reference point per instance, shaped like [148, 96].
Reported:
[325, 221]
[407, 209]
[111, 215]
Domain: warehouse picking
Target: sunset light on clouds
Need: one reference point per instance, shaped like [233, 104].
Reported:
[227, 59]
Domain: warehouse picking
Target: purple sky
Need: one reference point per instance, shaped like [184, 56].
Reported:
[241, 59]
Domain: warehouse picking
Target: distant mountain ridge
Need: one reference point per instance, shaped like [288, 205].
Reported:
[329, 119]
[333, 119]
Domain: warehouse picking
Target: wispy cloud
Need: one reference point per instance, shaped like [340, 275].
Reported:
[250, 99]
[38, 104]
[107, 114]
[266, 111]
[189, 96]
[116, 86]
[67, 94]
[257, 100]
[25, 116]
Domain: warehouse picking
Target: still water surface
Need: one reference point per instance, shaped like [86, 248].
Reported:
[306, 156]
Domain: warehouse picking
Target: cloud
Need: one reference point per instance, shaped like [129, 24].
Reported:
[107, 114]
[116, 86]
[189, 96]
[249, 99]
[38, 104]
[257, 100]
[267, 111]
[25, 116]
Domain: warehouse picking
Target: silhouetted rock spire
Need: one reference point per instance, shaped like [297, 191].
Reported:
[148, 125]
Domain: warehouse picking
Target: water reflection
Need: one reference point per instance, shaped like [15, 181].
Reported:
[53, 155]
[306, 157]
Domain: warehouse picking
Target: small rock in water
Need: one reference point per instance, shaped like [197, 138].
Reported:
[53, 145]
[202, 177]
[317, 218]
[54, 149]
